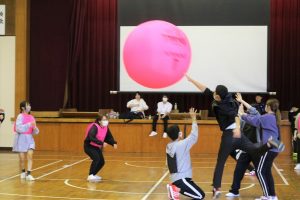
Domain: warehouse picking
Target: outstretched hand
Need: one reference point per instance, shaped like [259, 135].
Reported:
[239, 97]
[193, 113]
[188, 78]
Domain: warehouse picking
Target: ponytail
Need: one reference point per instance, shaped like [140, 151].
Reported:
[274, 105]
[278, 117]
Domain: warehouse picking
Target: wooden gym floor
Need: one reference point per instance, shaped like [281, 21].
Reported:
[127, 176]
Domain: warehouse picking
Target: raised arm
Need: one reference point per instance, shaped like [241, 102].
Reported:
[193, 136]
[239, 98]
[200, 86]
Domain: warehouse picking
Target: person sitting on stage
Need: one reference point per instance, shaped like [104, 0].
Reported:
[163, 110]
[137, 107]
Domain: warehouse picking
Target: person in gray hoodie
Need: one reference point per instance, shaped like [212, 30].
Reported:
[179, 162]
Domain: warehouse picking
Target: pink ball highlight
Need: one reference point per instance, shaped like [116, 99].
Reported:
[156, 54]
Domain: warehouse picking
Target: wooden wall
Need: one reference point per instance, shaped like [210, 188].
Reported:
[132, 137]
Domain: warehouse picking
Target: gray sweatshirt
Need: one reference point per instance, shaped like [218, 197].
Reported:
[181, 148]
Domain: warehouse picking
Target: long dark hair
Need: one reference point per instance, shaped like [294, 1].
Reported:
[23, 105]
[274, 105]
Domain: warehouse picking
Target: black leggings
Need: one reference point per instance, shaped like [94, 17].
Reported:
[189, 188]
[298, 150]
[165, 119]
[227, 145]
[233, 154]
[264, 173]
[97, 158]
[241, 166]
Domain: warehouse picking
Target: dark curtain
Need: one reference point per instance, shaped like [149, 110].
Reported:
[284, 52]
[92, 71]
[83, 43]
[49, 45]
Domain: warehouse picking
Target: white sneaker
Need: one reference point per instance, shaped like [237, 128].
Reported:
[297, 167]
[92, 178]
[263, 198]
[216, 193]
[252, 173]
[273, 197]
[153, 133]
[98, 177]
[165, 135]
[23, 175]
[230, 194]
[30, 178]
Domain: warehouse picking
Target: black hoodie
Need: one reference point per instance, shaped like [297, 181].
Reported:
[226, 110]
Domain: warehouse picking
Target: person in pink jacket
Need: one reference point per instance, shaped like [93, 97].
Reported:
[25, 128]
[97, 135]
[297, 139]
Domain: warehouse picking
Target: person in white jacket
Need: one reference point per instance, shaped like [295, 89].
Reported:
[137, 105]
[164, 108]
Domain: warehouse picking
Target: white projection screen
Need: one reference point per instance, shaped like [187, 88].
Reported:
[232, 52]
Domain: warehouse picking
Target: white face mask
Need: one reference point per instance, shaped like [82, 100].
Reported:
[28, 109]
[165, 99]
[104, 122]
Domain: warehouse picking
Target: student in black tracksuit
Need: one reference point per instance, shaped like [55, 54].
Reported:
[226, 112]
[253, 134]
[292, 116]
[97, 135]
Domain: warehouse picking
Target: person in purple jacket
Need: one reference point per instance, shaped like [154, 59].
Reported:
[270, 125]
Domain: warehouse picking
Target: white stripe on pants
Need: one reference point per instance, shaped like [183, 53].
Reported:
[260, 177]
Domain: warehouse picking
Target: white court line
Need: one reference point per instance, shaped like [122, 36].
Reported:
[280, 174]
[99, 190]
[126, 163]
[64, 167]
[155, 186]
[141, 166]
[139, 193]
[48, 197]
[32, 170]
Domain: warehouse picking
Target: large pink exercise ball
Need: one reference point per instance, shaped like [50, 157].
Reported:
[156, 54]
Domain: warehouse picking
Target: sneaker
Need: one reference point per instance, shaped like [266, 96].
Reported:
[262, 198]
[297, 167]
[216, 193]
[295, 154]
[30, 178]
[252, 173]
[98, 177]
[273, 197]
[165, 135]
[153, 133]
[230, 194]
[276, 143]
[92, 178]
[173, 192]
[23, 175]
